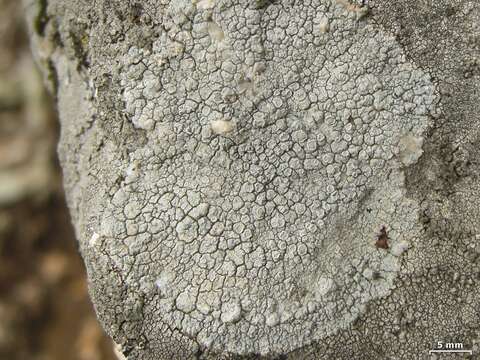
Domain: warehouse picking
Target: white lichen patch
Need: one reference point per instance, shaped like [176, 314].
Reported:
[267, 175]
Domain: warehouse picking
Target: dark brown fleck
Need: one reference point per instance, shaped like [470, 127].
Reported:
[382, 239]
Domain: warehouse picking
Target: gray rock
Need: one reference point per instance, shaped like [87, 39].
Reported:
[277, 178]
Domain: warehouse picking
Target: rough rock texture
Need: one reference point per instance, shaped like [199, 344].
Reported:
[272, 179]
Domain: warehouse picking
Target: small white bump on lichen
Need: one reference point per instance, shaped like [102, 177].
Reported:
[94, 240]
[323, 25]
[222, 127]
[231, 312]
[259, 68]
[187, 229]
[132, 210]
[215, 32]
[272, 319]
[199, 211]
[323, 287]
[359, 11]
[185, 302]
[203, 307]
[164, 282]
[399, 248]
[132, 172]
[410, 149]
[204, 4]
[245, 86]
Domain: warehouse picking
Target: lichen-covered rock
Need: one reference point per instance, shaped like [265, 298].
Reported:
[251, 178]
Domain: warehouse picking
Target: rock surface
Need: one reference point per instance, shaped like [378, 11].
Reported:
[272, 179]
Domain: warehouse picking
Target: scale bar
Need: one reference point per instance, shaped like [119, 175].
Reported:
[451, 351]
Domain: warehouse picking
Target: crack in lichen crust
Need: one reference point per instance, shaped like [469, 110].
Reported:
[276, 141]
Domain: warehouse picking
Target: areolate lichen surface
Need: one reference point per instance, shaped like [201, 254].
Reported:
[276, 139]
[275, 136]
